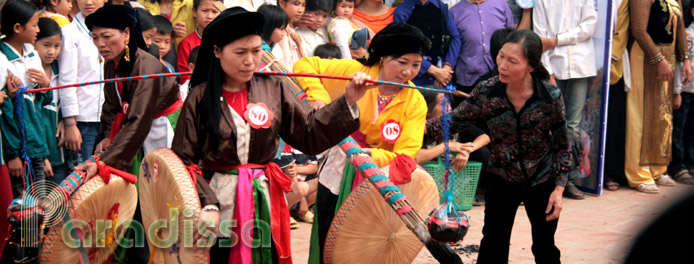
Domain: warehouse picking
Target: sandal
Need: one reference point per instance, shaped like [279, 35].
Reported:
[684, 177]
[293, 224]
[665, 180]
[611, 185]
[647, 188]
[572, 192]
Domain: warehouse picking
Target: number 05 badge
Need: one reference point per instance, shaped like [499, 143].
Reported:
[258, 115]
[390, 131]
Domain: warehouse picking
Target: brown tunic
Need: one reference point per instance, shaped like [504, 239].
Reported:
[145, 97]
[308, 130]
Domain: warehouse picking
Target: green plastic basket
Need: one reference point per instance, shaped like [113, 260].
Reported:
[465, 184]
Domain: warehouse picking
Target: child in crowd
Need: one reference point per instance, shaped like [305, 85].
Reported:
[146, 21]
[204, 12]
[49, 41]
[81, 107]
[57, 10]
[313, 32]
[275, 26]
[162, 38]
[327, 51]
[347, 33]
[289, 49]
[301, 168]
[682, 165]
[192, 57]
[20, 26]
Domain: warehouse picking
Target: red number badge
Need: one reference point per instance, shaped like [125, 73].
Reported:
[258, 115]
[390, 131]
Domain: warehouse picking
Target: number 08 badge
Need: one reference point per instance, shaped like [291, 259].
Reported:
[258, 115]
[390, 131]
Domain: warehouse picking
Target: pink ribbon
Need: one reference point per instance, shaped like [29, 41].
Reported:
[244, 213]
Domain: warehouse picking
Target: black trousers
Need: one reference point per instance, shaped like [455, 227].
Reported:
[502, 201]
[616, 130]
[326, 202]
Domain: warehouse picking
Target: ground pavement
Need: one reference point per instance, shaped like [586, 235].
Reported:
[595, 230]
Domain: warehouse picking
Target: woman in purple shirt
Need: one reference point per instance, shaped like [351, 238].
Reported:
[476, 21]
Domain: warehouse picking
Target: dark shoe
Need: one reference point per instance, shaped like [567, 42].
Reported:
[611, 185]
[477, 202]
[572, 192]
[684, 177]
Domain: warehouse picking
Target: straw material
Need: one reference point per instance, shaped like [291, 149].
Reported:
[272, 64]
[92, 201]
[367, 230]
[165, 184]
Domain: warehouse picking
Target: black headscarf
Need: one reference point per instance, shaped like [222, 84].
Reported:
[395, 40]
[120, 17]
[232, 24]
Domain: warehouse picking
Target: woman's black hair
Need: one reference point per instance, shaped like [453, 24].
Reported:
[220, 32]
[430, 99]
[532, 50]
[396, 40]
[48, 28]
[146, 19]
[275, 17]
[15, 12]
[497, 41]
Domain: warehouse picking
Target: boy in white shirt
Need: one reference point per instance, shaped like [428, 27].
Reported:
[81, 106]
[566, 29]
[313, 32]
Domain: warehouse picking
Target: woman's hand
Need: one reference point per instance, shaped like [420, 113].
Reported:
[665, 71]
[90, 167]
[208, 219]
[460, 160]
[676, 101]
[102, 145]
[442, 75]
[47, 169]
[317, 104]
[39, 78]
[686, 72]
[555, 204]
[356, 88]
[15, 167]
[461, 147]
[180, 30]
[73, 138]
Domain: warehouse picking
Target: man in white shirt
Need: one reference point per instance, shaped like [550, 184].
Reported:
[566, 29]
[81, 106]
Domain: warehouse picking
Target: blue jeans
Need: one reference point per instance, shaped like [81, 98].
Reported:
[90, 132]
[683, 136]
[60, 172]
[575, 92]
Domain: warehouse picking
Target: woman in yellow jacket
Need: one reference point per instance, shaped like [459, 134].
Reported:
[392, 119]
[179, 12]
